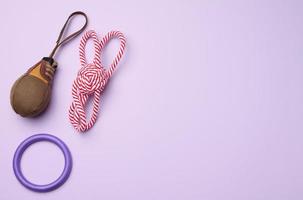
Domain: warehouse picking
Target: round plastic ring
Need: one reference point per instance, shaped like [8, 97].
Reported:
[51, 186]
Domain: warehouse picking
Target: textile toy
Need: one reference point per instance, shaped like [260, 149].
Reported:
[31, 93]
[92, 79]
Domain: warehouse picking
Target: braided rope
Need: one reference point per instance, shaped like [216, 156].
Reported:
[91, 79]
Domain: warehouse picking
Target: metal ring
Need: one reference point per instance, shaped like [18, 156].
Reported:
[51, 186]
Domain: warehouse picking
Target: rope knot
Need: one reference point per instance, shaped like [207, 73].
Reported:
[90, 78]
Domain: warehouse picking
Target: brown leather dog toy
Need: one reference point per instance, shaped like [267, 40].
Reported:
[31, 93]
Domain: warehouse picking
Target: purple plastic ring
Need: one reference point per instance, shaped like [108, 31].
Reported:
[51, 186]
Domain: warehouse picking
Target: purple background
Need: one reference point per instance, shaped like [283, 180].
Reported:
[206, 104]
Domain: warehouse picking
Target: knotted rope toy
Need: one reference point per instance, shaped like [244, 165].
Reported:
[31, 93]
[92, 79]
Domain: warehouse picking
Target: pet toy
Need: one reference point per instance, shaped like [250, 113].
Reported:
[51, 186]
[92, 79]
[31, 93]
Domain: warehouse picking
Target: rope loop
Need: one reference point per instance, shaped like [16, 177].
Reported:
[97, 47]
[91, 79]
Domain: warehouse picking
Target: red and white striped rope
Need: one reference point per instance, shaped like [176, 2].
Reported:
[91, 79]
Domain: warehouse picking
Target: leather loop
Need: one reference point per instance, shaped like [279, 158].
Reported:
[59, 41]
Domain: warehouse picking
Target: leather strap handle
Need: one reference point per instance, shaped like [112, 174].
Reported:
[59, 41]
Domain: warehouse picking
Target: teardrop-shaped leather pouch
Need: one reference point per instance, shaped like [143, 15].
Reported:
[31, 93]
